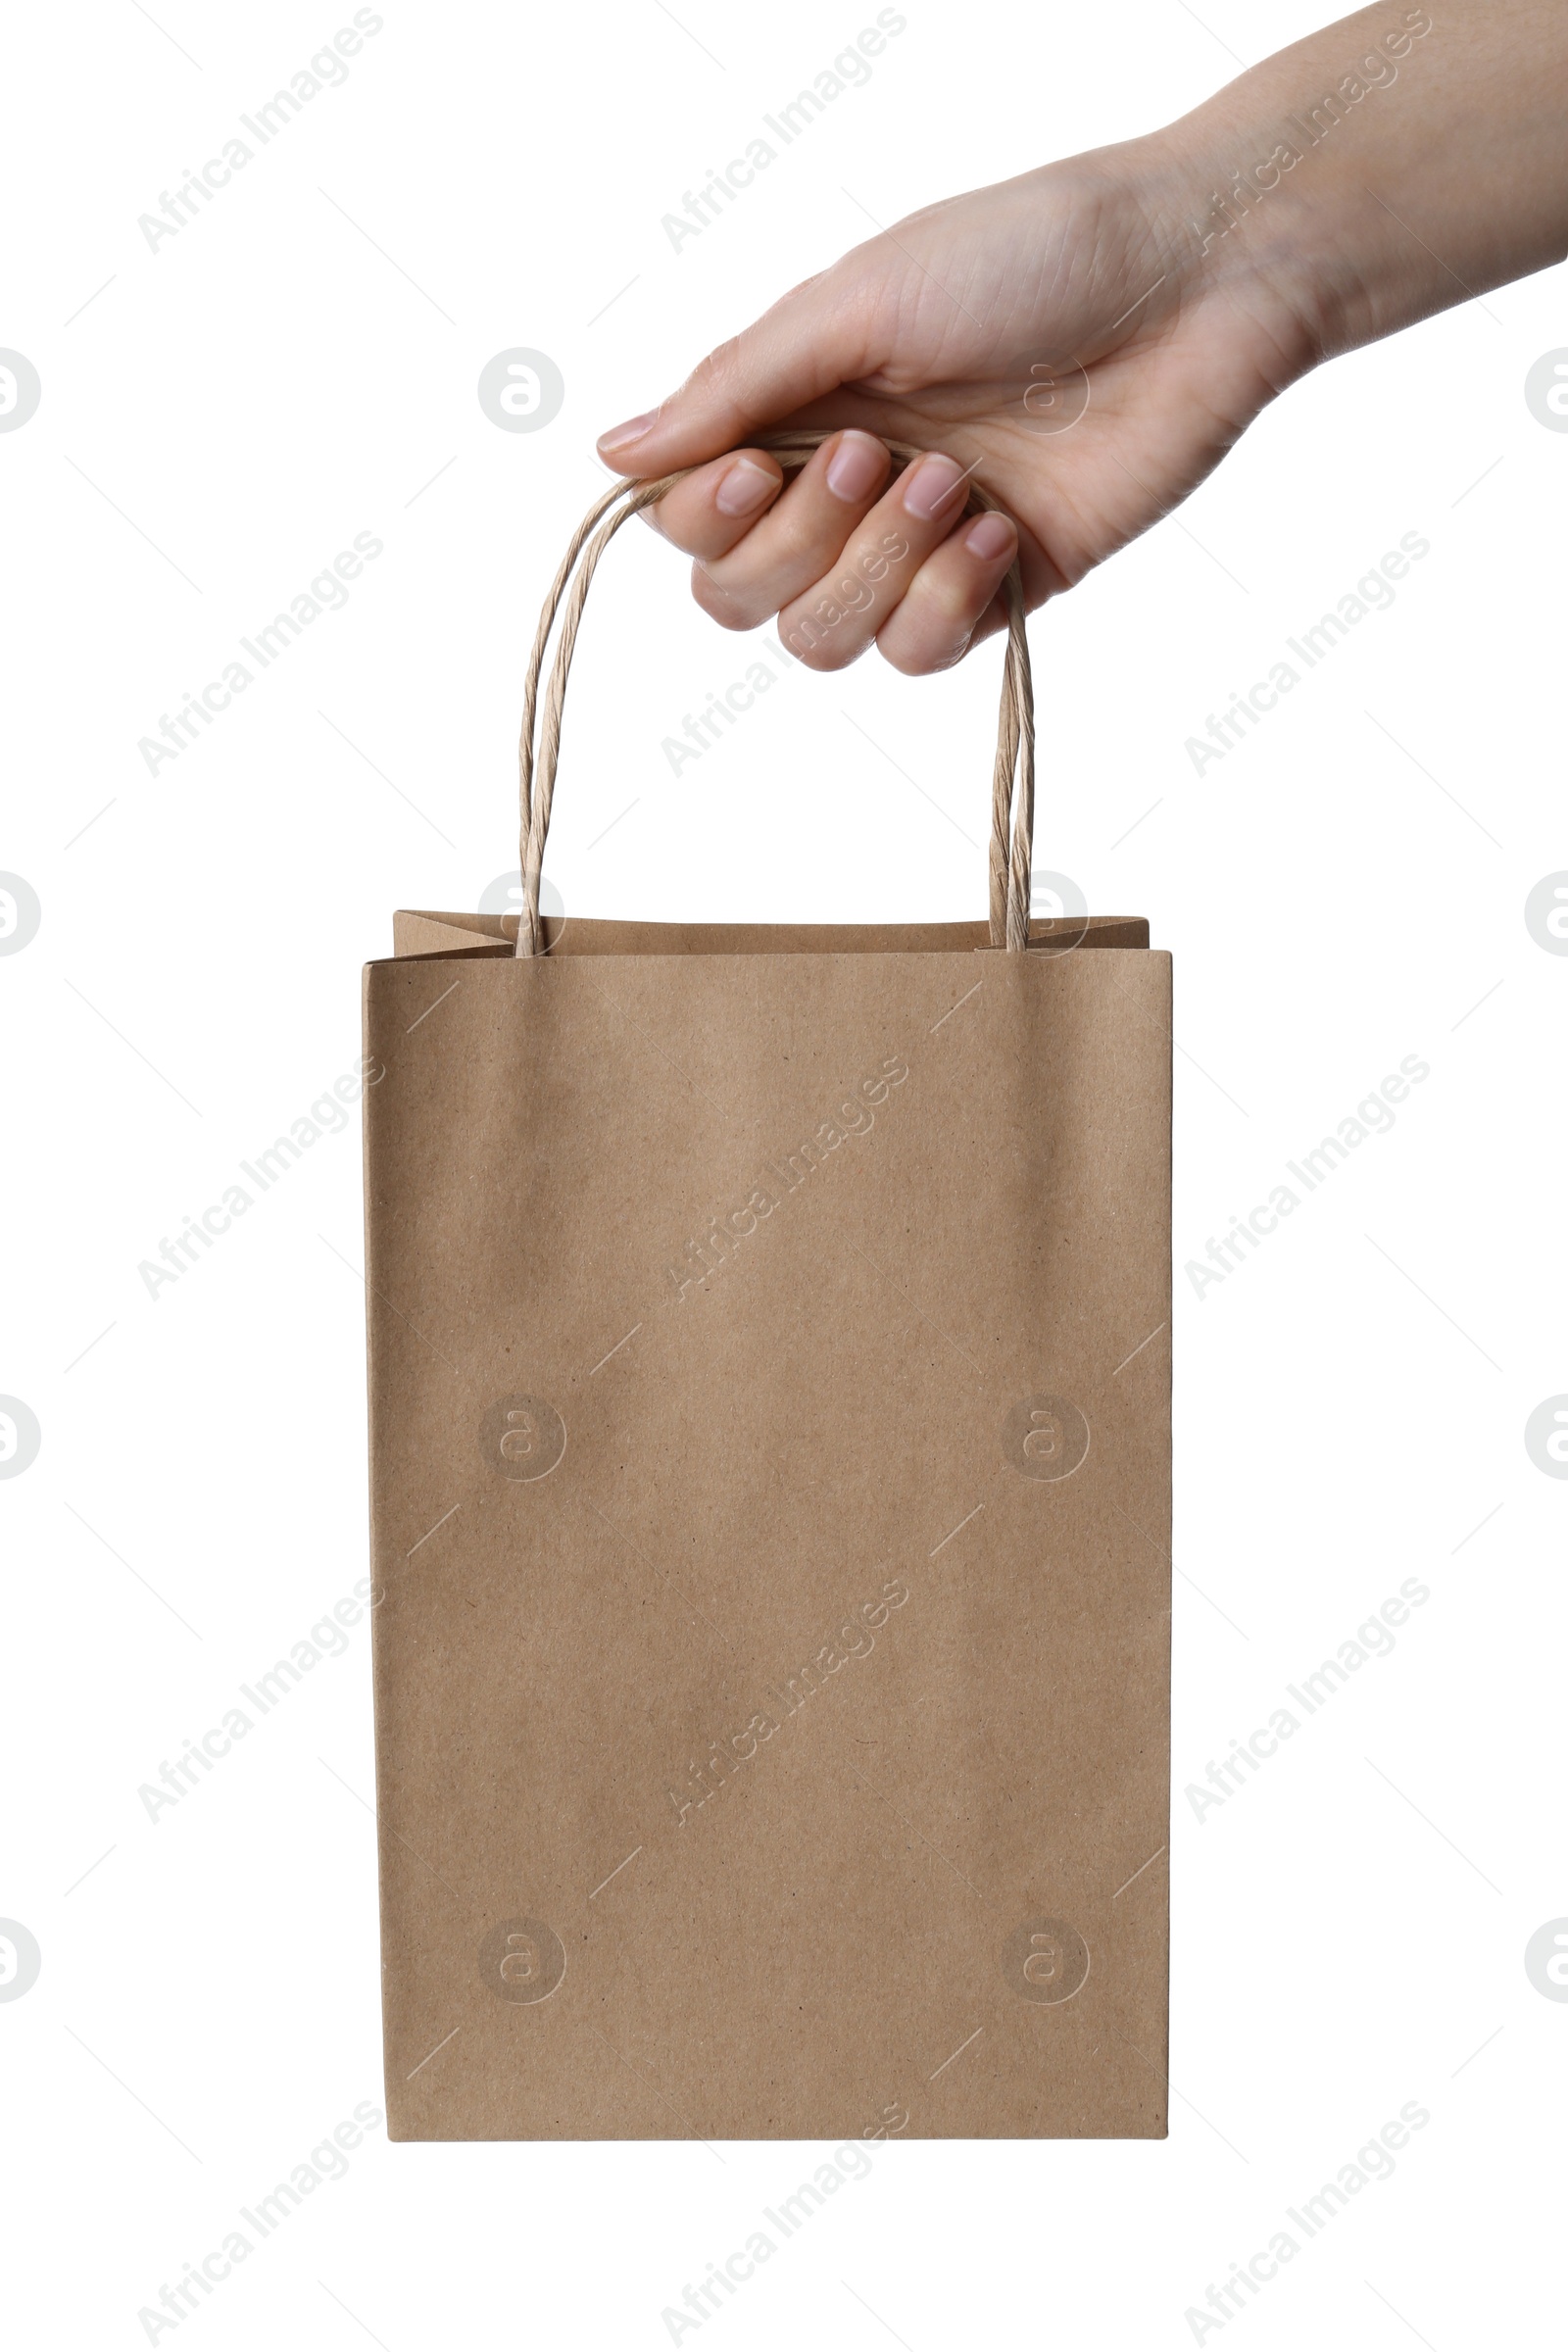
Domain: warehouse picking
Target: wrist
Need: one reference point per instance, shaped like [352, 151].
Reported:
[1283, 171]
[1232, 242]
[1387, 166]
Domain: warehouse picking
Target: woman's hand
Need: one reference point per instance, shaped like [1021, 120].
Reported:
[1089, 340]
[1041, 335]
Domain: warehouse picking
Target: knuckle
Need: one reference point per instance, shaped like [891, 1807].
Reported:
[742, 575]
[832, 656]
[808, 643]
[949, 605]
[822, 648]
[714, 367]
[921, 658]
[730, 611]
[806, 541]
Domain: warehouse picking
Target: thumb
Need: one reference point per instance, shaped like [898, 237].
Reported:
[805, 346]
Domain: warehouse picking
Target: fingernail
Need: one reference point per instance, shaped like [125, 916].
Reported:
[745, 488]
[992, 536]
[928, 484]
[621, 436]
[855, 467]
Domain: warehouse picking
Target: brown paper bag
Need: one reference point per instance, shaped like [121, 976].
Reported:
[769, 1430]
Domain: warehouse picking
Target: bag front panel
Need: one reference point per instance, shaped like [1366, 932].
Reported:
[770, 1494]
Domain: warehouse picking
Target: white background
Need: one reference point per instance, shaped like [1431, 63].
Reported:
[221, 420]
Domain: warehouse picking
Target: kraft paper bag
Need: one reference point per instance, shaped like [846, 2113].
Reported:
[768, 1336]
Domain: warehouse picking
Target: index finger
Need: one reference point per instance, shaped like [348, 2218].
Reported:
[805, 346]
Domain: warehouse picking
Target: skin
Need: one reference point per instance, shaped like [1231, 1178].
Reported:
[1090, 340]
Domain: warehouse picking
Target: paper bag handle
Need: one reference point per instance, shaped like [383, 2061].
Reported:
[536, 762]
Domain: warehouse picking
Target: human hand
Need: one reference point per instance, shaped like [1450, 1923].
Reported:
[1026, 335]
[1089, 340]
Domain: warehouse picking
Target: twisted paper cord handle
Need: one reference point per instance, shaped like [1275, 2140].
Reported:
[539, 745]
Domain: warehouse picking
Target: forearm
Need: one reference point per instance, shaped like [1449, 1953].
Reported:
[1397, 161]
